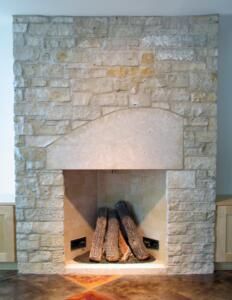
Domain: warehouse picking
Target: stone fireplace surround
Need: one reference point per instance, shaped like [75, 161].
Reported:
[115, 93]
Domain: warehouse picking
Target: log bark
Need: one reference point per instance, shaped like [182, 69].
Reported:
[134, 239]
[96, 250]
[112, 237]
[125, 250]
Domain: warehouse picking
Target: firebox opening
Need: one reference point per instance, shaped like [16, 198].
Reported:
[87, 190]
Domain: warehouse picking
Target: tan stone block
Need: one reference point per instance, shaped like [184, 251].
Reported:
[81, 98]
[40, 256]
[122, 72]
[147, 58]
[203, 97]
[181, 179]
[53, 241]
[140, 100]
[86, 113]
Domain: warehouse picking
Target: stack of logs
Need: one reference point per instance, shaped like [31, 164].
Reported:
[116, 236]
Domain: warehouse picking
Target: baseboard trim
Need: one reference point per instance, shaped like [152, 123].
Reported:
[223, 266]
[8, 266]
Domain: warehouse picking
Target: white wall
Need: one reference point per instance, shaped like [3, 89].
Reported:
[6, 112]
[224, 173]
[224, 166]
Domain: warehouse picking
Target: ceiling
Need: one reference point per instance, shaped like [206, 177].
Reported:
[115, 7]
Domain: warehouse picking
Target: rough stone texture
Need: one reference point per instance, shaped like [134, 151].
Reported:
[71, 70]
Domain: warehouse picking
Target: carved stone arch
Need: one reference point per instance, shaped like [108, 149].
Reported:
[142, 138]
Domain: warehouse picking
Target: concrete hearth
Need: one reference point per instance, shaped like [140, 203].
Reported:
[131, 94]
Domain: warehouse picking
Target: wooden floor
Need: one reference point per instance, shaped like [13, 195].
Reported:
[43, 287]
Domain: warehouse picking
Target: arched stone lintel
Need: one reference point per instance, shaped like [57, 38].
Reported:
[142, 138]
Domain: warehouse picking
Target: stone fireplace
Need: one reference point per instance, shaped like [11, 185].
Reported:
[110, 108]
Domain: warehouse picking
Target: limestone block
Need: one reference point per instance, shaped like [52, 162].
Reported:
[38, 82]
[120, 58]
[170, 94]
[195, 109]
[206, 136]
[20, 27]
[162, 105]
[39, 141]
[181, 179]
[50, 127]
[194, 206]
[17, 69]
[203, 97]
[58, 256]
[43, 70]
[183, 40]
[55, 203]
[53, 241]
[34, 41]
[203, 81]
[24, 202]
[57, 191]
[30, 19]
[62, 19]
[35, 165]
[18, 95]
[200, 163]
[81, 98]
[110, 99]
[128, 31]
[134, 71]
[43, 214]
[27, 245]
[175, 54]
[58, 112]
[91, 27]
[44, 227]
[51, 178]
[22, 256]
[96, 85]
[178, 80]
[46, 94]
[188, 66]
[177, 229]
[140, 100]
[26, 54]
[186, 216]
[59, 83]
[191, 195]
[22, 128]
[147, 58]
[51, 29]
[32, 109]
[198, 121]
[19, 214]
[40, 256]
[162, 66]
[86, 112]
[208, 183]
[111, 142]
